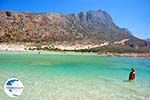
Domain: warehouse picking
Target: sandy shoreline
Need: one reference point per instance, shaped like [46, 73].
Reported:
[134, 55]
[24, 49]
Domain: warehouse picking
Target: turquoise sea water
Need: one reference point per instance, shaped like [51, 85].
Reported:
[75, 77]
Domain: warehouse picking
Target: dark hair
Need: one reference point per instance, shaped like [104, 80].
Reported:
[132, 69]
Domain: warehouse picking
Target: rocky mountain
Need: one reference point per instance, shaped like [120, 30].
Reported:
[148, 40]
[90, 27]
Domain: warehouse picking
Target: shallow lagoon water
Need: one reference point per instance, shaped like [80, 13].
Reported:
[75, 77]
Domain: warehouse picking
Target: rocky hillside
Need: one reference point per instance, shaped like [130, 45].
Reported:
[90, 27]
[148, 40]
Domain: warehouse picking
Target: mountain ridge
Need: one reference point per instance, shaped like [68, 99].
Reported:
[88, 27]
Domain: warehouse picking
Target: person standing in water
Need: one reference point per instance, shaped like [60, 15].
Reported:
[132, 74]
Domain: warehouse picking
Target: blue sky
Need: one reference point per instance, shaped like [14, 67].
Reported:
[131, 14]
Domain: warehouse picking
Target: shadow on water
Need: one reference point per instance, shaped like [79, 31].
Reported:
[132, 81]
[126, 81]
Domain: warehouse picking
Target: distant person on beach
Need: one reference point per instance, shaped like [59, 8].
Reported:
[39, 52]
[132, 74]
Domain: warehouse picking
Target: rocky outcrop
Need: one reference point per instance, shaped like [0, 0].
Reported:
[95, 27]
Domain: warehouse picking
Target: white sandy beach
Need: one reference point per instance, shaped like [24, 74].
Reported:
[21, 48]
